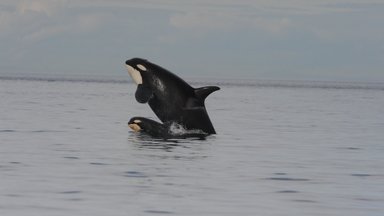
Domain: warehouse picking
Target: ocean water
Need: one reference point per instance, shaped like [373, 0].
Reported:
[282, 148]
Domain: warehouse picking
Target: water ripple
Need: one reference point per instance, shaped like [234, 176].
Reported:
[135, 174]
[158, 212]
[287, 179]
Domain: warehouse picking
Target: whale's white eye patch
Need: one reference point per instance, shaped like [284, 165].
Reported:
[141, 67]
[135, 74]
[136, 121]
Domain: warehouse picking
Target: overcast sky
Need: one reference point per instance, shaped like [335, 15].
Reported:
[260, 39]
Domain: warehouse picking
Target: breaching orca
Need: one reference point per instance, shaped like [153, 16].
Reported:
[170, 97]
[167, 130]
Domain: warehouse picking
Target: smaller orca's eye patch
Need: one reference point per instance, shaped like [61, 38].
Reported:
[141, 67]
[136, 121]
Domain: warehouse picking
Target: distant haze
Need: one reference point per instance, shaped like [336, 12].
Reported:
[340, 40]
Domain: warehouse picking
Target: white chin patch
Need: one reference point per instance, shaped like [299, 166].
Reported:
[141, 67]
[135, 74]
[135, 127]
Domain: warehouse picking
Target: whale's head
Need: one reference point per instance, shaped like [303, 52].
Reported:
[141, 124]
[135, 124]
[136, 68]
[139, 70]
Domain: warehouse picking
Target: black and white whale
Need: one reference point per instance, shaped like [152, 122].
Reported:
[170, 97]
[168, 130]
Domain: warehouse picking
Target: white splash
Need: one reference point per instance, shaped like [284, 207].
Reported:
[178, 129]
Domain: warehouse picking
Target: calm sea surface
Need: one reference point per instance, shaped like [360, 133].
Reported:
[282, 148]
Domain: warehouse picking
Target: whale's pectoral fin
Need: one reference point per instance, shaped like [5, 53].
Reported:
[143, 94]
[203, 92]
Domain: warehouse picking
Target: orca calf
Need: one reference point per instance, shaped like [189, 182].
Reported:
[167, 130]
[170, 97]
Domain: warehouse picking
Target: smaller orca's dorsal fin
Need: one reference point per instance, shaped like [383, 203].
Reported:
[203, 92]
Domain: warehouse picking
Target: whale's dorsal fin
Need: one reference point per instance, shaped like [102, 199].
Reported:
[203, 92]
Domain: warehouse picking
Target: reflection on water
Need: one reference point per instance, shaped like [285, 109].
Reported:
[142, 140]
